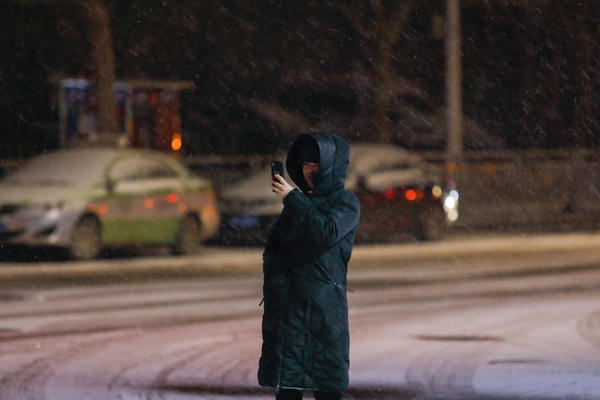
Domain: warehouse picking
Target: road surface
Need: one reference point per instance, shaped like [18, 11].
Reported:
[517, 322]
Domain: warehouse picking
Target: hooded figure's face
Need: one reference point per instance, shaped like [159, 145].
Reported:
[309, 169]
[317, 163]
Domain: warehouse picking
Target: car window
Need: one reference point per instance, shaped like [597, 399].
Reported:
[126, 170]
[152, 169]
[367, 159]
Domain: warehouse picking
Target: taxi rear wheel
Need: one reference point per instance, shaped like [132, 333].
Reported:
[86, 240]
[189, 238]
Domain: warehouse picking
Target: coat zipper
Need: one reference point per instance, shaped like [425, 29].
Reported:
[333, 282]
[282, 345]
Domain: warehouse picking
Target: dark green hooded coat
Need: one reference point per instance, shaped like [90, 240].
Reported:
[305, 322]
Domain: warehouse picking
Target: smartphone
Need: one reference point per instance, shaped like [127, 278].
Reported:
[276, 168]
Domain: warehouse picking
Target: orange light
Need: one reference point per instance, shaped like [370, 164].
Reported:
[176, 142]
[410, 195]
[172, 198]
[209, 210]
[420, 194]
[102, 209]
[148, 202]
[390, 194]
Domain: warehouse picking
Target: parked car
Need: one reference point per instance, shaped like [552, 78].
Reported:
[86, 199]
[399, 193]
[248, 209]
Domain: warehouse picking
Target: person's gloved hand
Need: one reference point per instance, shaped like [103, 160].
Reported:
[280, 186]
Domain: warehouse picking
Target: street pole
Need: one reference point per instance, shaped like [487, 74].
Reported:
[104, 64]
[454, 123]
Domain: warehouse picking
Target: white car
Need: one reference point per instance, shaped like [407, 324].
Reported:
[85, 199]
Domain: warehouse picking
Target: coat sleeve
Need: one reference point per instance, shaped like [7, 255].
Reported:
[324, 229]
[274, 234]
[274, 241]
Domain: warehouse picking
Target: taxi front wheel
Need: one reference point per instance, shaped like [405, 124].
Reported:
[86, 240]
[188, 239]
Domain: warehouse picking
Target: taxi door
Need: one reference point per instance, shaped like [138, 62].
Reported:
[122, 219]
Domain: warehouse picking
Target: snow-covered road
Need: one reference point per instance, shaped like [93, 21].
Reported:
[501, 325]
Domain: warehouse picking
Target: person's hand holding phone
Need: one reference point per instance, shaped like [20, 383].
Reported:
[280, 187]
[276, 168]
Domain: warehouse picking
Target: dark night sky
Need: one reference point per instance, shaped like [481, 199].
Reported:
[530, 73]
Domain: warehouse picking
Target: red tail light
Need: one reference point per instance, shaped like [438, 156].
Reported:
[390, 194]
[414, 194]
[172, 198]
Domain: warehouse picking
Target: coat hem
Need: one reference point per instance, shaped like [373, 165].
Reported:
[303, 388]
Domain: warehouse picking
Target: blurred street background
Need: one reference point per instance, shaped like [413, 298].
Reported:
[135, 143]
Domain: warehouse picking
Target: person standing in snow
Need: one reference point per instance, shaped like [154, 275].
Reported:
[305, 331]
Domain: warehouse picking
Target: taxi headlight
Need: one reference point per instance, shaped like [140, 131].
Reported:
[451, 201]
[53, 210]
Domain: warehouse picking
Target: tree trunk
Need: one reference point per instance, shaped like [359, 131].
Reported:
[104, 70]
[381, 33]
[382, 49]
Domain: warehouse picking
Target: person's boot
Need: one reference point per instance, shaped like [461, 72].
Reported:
[322, 395]
[289, 394]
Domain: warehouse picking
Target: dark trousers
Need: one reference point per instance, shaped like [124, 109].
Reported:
[291, 394]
